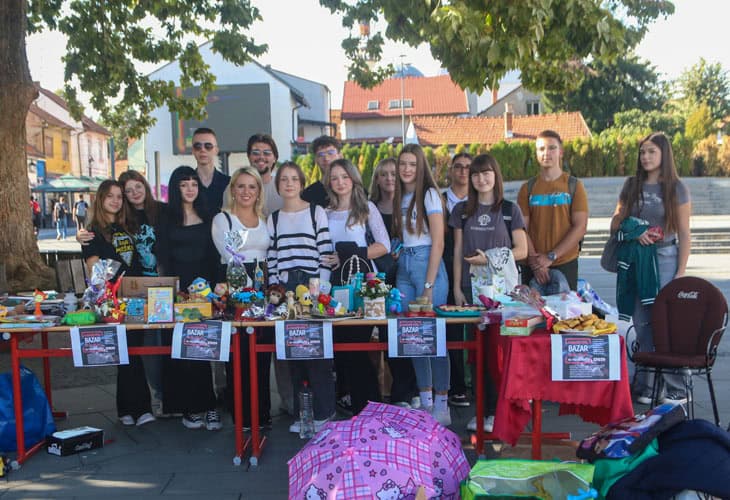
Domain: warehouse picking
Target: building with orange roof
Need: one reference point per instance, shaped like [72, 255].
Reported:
[455, 131]
[375, 114]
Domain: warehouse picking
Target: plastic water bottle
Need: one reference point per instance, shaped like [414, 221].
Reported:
[306, 412]
[70, 302]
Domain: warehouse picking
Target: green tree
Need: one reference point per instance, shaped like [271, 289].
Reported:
[479, 42]
[699, 124]
[639, 122]
[609, 88]
[106, 41]
[708, 83]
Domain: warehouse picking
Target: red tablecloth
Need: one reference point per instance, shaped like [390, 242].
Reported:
[526, 375]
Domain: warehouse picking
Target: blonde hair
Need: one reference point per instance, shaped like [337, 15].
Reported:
[375, 194]
[230, 203]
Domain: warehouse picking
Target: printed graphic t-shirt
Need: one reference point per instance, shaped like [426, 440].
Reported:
[120, 247]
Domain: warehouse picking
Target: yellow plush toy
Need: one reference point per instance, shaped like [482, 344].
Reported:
[303, 296]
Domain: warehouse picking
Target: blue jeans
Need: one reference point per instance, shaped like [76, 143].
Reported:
[412, 268]
[673, 383]
[61, 227]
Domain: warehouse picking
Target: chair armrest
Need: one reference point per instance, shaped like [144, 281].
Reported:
[712, 344]
[632, 342]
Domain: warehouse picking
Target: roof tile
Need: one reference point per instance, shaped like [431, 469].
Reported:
[435, 95]
[438, 130]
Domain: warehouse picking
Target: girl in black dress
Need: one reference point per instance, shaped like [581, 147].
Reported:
[185, 249]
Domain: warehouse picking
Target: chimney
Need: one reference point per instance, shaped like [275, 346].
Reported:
[508, 116]
[495, 95]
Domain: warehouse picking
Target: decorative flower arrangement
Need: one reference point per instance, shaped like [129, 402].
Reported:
[373, 287]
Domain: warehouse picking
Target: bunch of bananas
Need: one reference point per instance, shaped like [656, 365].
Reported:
[589, 323]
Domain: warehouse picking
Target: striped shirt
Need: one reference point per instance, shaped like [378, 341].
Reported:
[298, 243]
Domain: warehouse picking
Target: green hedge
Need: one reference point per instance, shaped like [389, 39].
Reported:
[603, 155]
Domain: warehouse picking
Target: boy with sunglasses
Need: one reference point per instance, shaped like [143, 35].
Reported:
[213, 183]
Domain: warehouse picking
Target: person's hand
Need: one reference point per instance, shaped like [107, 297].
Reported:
[459, 297]
[428, 292]
[541, 262]
[679, 274]
[478, 259]
[645, 239]
[332, 260]
[542, 275]
[84, 237]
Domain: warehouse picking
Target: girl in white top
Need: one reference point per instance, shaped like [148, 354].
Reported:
[349, 216]
[243, 203]
[421, 271]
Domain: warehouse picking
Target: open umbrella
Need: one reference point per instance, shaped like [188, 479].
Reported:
[385, 452]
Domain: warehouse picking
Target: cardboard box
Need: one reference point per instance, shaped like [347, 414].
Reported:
[524, 320]
[192, 311]
[568, 305]
[71, 441]
[136, 286]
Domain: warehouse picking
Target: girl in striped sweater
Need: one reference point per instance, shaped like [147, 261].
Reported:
[300, 248]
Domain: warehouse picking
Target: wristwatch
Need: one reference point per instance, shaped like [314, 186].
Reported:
[551, 256]
[428, 285]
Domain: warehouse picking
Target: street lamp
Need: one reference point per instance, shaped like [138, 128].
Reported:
[402, 96]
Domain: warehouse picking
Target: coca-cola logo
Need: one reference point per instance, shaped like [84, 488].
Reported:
[688, 295]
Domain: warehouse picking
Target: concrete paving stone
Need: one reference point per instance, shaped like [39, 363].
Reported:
[85, 485]
[252, 484]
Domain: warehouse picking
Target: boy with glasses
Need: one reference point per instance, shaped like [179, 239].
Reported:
[326, 150]
[213, 183]
[262, 155]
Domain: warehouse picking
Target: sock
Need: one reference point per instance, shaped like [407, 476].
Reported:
[441, 402]
[426, 399]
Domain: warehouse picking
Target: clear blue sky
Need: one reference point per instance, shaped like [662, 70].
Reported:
[304, 40]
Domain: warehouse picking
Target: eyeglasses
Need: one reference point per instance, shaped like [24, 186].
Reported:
[258, 152]
[197, 146]
[460, 166]
[328, 152]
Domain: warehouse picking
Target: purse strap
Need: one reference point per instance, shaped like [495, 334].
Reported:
[352, 263]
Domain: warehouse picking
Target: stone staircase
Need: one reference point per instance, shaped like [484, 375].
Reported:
[710, 197]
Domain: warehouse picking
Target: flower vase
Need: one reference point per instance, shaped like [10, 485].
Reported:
[374, 308]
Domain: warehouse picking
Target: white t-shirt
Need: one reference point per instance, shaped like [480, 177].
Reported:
[337, 220]
[256, 240]
[272, 200]
[432, 204]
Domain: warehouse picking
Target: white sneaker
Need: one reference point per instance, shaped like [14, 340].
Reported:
[295, 427]
[488, 424]
[443, 417]
[416, 402]
[318, 424]
[145, 418]
[127, 420]
[213, 420]
[644, 400]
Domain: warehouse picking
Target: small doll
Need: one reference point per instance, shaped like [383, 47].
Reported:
[201, 287]
[275, 294]
[291, 305]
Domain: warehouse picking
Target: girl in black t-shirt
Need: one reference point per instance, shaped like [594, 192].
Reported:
[112, 240]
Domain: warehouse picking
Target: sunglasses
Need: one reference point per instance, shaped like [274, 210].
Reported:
[197, 146]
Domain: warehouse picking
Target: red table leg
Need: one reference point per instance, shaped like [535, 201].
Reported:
[237, 411]
[479, 338]
[536, 429]
[257, 442]
[17, 399]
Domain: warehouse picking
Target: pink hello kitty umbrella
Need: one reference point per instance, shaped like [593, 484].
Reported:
[384, 453]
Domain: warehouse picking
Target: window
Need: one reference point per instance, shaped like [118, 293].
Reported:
[407, 103]
[48, 146]
[372, 105]
[533, 107]
[64, 150]
[394, 104]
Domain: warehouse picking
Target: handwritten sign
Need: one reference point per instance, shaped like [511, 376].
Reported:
[303, 340]
[202, 340]
[585, 357]
[416, 337]
[99, 345]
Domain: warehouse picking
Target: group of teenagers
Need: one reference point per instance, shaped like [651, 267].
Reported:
[302, 231]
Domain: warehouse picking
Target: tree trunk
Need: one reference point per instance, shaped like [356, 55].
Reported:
[18, 245]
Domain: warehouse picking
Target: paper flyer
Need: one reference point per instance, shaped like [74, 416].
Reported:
[100, 345]
[416, 337]
[303, 340]
[585, 357]
[202, 340]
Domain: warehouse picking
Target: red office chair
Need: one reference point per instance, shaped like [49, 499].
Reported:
[688, 319]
